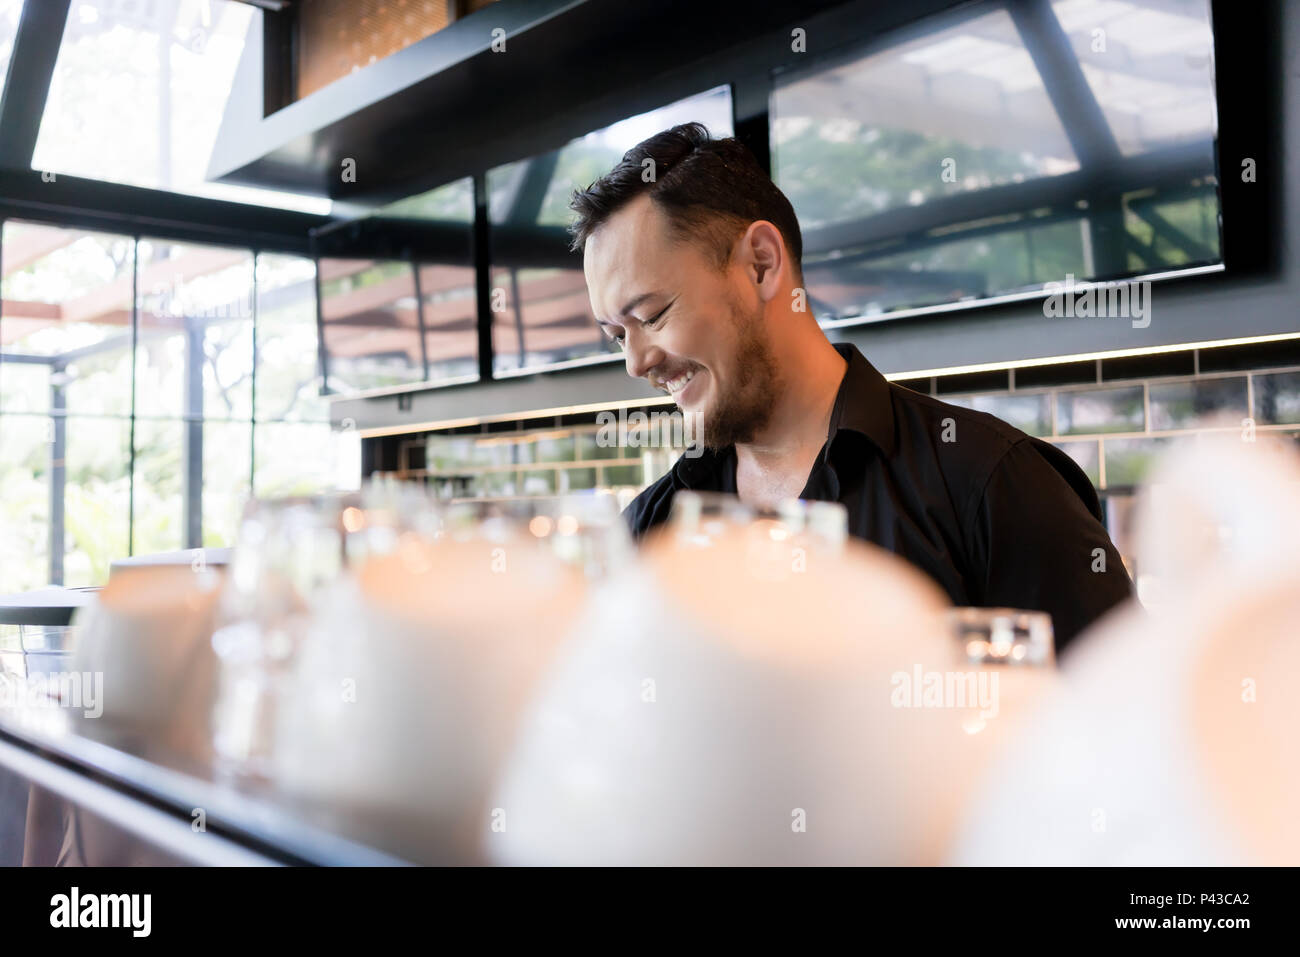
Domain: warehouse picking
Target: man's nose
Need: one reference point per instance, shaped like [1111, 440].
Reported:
[641, 356]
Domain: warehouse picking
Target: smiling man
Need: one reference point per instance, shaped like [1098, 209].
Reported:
[692, 260]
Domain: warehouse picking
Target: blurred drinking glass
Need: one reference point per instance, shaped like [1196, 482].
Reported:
[1003, 636]
[288, 552]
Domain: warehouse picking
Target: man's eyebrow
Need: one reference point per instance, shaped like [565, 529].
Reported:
[631, 304]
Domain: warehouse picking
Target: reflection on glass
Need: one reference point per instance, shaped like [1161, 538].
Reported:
[453, 203]
[442, 222]
[1099, 410]
[541, 310]
[1277, 398]
[288, 368]
[371, 324]
[449, 298]
[874, 133]
[1150, 66]
[940, 168]
[67, 307]
[1183, 405]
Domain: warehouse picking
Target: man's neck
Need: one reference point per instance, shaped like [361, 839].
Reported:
[801, 413]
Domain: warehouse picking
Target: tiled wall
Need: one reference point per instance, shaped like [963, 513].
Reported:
[1115, 429]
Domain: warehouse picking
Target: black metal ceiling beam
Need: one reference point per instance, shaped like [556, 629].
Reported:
[132, 210]
[27, 86]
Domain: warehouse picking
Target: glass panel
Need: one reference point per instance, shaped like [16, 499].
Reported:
[1087, 455]
[451, 203]
[293, 458]
[558, 448]
[579, 479]
[541, 310]
[538, 482]
[195, 314]
[288, 369]
[24, 387]
[1128, 461]
[1277, 398]
[67, 300]
[450, 302]
[10, 11]
[936, 169]
[876, 132]
[96, 498]
[372, 326]
[1029, 413]
[1101, 410]
[1150, 66]
[226, 448]
[1187, 405]
[24, 501]
[863, 282]
[448, 452]
[147, 84]
[618, 475]
[589, 448]
[159, 518]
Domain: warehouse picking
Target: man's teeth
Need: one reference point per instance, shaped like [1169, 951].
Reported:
[679, 383]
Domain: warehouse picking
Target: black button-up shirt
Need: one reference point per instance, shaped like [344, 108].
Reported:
[995, 516]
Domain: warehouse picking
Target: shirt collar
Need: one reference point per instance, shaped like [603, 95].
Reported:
[862, 404]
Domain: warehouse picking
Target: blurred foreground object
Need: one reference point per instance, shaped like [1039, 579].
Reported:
[1173, 740]
[751, 694]
[407, 692]
[147, 633]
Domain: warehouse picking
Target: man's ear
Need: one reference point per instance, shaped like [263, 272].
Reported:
[764, 256]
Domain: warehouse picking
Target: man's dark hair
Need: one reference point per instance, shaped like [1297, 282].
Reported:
[710, 189]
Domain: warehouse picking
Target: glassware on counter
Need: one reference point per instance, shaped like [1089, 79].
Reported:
[701, 518]
[290, 551]
[416, 665]
[587, 531]
[1004, 636]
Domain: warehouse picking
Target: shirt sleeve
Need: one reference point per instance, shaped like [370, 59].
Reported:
[1036, 545]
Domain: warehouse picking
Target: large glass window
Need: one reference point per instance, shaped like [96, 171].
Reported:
[386, 324]
[136, 426]
[10, 11]
[972, 158]
[295, 450]
[147, 84]
[370, 324]
[541, 313]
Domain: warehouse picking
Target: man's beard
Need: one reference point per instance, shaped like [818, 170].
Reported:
[738, 415]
